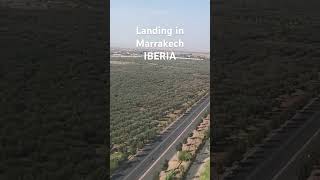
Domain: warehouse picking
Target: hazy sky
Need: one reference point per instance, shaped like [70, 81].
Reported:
[192, 15]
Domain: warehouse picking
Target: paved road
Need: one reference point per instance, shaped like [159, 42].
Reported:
[280, 156]
[149, 162]
[272, 168]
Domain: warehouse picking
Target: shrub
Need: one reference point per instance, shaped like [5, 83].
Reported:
[170, 175]
[184, 156]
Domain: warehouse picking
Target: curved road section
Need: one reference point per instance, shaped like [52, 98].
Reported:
[148, 163]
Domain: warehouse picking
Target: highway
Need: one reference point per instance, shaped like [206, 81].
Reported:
[148, 163]
[283, 153]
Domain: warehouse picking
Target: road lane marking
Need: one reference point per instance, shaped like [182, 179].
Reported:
[157, 147]
[256, 170]
[173, 143]
[180, 116]
[296, 155]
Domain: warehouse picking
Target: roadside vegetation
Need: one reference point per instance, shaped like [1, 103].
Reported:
[179, 164]
[146, 96]
[184, 156]
[205, 175]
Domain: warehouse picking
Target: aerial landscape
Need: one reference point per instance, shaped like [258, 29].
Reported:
[266, 80]
[147, 97]
[258, 120]
[159, 90]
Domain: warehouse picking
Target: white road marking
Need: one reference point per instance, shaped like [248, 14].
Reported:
[172, 143]
[296, 155]
[153, 151]
[290, 139]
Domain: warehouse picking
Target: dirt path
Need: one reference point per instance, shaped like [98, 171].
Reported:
[198, 164]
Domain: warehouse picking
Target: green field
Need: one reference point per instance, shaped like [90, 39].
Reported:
[146, 96]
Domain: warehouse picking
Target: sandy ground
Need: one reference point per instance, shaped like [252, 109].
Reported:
[198, 164]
